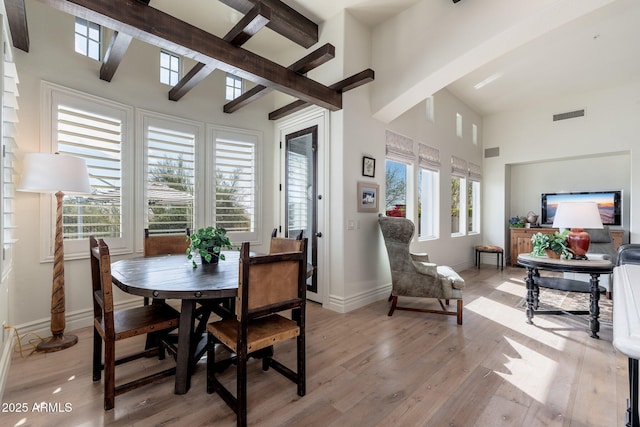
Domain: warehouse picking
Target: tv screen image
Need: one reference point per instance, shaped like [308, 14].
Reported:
[609, 204]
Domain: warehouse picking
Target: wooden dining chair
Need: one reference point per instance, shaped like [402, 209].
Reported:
[268, 286]
[283, 244]
[110, 326]
[164, 244]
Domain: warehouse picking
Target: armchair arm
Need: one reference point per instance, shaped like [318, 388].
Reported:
[426, 268]
[421, 257]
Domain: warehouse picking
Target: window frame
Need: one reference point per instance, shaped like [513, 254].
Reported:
[53, 95]
[86, 37]
[177, 72]
[237, 91]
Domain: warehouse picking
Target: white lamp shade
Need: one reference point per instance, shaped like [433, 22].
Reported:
[50, 173]
[577, 215]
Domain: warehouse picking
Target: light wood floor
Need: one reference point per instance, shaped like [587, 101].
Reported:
[367, 369]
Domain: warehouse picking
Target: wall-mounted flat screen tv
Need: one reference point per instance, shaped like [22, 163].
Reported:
[609, 204]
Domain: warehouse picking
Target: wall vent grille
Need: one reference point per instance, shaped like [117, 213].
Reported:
[492, 152]
[569, 115]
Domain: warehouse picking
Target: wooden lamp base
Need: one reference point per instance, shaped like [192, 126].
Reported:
[57, 343]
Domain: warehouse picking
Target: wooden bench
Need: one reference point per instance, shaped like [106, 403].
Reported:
[492, 250]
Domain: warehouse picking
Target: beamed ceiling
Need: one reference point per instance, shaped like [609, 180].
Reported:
[137, 19]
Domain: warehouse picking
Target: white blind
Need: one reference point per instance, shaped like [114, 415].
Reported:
[9, 147]
[235, 180]
[459, 167]
[97, 138]
[428, 157]
[297, 172]
[399, 147]
[170, 179]
[475, 172]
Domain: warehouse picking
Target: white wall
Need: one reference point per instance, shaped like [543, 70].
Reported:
[135, 83]
[596, 151]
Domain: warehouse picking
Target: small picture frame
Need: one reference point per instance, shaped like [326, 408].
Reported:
[368, 166]
[368, 195]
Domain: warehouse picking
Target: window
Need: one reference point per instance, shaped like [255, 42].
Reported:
[88, 38]
[474, 133]
[170, 146]
[396, 189]
[473, 207]
[169, 68]
[428, 192]
[234, 87]
[235, 162]
[458, 195]
[458, 125]
[473, 199]
[430, 109]
[97, 131]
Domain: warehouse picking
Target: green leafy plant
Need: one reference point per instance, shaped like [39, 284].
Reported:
[556, 242]
[208, 242]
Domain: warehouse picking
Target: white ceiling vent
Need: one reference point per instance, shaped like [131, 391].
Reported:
[569, 115]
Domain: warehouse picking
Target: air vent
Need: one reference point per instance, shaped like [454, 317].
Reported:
[492, 152]
[569, 115]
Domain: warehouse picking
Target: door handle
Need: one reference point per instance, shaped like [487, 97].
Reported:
[318, 234]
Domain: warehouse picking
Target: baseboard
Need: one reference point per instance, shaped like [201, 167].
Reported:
[5, 363]
[344, 305]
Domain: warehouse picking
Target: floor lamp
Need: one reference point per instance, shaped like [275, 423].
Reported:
[55, 174]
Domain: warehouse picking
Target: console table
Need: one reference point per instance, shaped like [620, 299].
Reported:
[521, 240]
[592, 267]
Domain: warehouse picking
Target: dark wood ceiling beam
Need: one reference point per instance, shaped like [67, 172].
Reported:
[198, 73]
[304, 65]
[247, 27]
[284, 20]
[17, 18]
[117, 48]
[160, 29]
[239, 34]
[349, 83]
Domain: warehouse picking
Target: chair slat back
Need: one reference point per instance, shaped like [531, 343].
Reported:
[271, 283]
[101, 283]
[281, 245]
[165, 244]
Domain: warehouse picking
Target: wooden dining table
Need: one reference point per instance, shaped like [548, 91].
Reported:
[211, 287]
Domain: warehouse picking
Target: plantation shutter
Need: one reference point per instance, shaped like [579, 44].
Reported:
[9, 147]
[170, 179]
[96, 138]
[235, 182]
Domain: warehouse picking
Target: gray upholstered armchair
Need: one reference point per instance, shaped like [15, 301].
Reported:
[412, 275]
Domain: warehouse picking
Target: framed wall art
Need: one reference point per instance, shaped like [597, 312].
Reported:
[368, 195]
[368, 166]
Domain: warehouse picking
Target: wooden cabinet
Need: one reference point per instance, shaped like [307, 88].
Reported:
[521, 240]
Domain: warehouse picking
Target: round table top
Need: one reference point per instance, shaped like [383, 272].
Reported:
[173, 276]
[595, 266]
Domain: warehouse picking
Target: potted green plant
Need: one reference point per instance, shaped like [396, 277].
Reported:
[550, 244]
[208, 242]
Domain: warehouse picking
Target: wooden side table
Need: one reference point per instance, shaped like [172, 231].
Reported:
[592, 267]
[492, 250]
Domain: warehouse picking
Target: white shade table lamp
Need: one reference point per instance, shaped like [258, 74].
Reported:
[56, 174]
[576, 216]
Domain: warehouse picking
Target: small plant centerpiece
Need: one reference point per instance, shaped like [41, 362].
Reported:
[552, 245]
[208, 242]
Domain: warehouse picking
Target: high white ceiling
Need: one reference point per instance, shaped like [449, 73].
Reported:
[597, 50]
